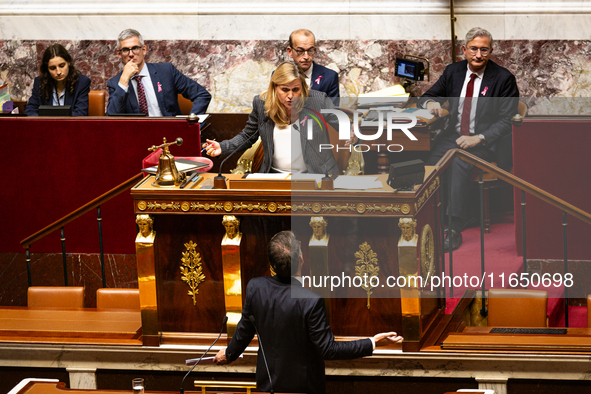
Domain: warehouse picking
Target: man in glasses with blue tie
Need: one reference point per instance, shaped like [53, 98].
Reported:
[302, 49]
[482, 97]
[150, 88]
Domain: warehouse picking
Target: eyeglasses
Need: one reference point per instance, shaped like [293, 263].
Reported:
[310, 51]
[483, 51]
[125, 51]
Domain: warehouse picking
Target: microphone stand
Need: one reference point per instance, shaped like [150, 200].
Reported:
[201, 358]
[251, 318]
[219, 181]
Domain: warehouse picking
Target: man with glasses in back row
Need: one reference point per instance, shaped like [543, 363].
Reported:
[150, 88]
[478, 125]
[302, 49]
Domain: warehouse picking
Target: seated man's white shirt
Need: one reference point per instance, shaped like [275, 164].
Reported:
[287, 155]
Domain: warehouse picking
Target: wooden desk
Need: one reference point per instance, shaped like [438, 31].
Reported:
[355, 217]
[19, 324]
[480, 338]
[60, 388]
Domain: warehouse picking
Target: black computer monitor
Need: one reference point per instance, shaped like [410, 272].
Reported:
[409, 69]
[50, 110]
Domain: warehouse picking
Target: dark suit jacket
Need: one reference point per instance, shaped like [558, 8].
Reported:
[259, 124]
[495, 108]
[295, 333]
[328, 82]
[78, 100]
[172, 83]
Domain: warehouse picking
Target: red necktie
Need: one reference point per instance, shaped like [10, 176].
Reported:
[465, 123]
[141, 96]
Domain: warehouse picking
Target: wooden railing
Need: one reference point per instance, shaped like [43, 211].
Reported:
[60, 223]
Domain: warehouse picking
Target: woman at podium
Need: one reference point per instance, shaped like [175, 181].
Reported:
[281, 117]
[59, 84]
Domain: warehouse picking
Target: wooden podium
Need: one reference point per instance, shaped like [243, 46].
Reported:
[205, 246]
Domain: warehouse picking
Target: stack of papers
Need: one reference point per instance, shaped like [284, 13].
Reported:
[357, 182]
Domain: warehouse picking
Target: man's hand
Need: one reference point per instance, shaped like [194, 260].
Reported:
[220, 358]
[129, 71]
[467, 142]
[212, 148]
[435, 108]
[387, 338]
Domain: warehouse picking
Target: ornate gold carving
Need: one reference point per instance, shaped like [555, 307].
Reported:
[316, 207]
[174, 206]
[215, 206]
[192, 270]
[383, 208]
[366, 268]
[302, 207]
[228, 206]
[360, 208]
[142, 205]
[233, 234]
[405, 209]
[146, 225]
[318, 225]
[185, 206]
[427, 193]
[339, 208]
[409, 235]
[427, 254]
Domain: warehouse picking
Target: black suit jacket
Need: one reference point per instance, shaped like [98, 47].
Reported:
[78, 100]
[497, 101]
[325, 80]
[258, 124]
[295, 333]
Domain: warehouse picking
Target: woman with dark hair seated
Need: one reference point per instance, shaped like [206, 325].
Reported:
[281, 117]
[59, 83]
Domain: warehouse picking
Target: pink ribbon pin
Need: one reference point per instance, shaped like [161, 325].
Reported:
[304, 120]
[318, 80]
[484, 91]
[159, 87]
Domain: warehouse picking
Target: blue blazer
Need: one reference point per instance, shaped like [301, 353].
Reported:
[172, 83]
[328, 82]
[78, 100]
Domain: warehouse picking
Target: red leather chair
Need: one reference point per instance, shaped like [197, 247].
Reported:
[517, 308]
[118, 299]
[55, 297]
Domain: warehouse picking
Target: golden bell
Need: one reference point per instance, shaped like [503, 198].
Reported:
[168, 174]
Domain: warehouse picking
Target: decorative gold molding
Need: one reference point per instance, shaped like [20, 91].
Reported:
[427, 254]
[427, 193]
[152, 206]
[383, 208]
[227, 206]
[366, 264]
[192, 270]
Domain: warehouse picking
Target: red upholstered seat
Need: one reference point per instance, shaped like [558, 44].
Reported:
[118, 299]
[55, 297]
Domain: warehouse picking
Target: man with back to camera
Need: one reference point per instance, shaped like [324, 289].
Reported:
[302, 49]
[150, 88]
[293, 327]
[478, 125]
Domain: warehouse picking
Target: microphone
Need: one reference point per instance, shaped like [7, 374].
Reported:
[220, 180]
[193, 367]
[251, 318]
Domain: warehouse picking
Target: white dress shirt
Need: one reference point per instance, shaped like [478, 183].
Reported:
[476, 92]
[287, 150]
[309, 76]
[153, 107]
[58, 101]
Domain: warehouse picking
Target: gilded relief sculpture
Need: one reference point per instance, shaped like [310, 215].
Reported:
[366, 267]
[192, 269]
[144, 250]
[408, 267]
[231, 269]
[318, 251]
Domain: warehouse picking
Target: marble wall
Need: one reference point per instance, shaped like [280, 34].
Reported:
[235, 70]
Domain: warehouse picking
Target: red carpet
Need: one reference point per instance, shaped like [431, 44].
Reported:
[500, 261]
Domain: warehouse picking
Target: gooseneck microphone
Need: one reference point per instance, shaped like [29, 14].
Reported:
[251, 318]
[193, 367]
